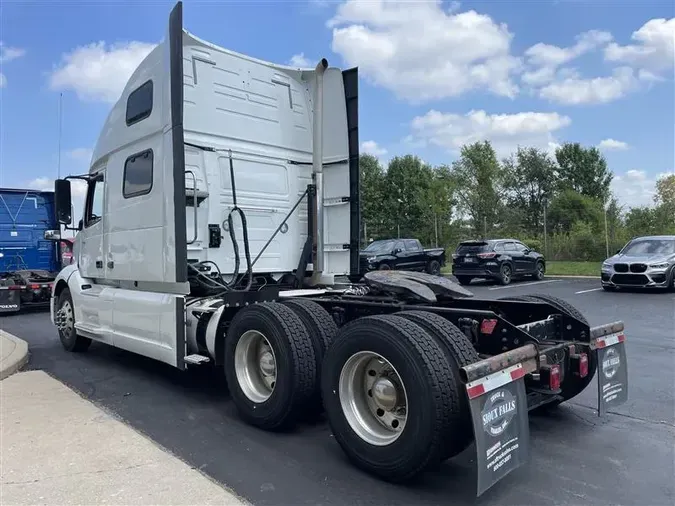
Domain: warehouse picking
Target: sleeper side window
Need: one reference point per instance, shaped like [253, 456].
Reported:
[139, 103]
[138, 174]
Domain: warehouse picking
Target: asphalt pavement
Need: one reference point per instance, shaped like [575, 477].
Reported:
[576, 458]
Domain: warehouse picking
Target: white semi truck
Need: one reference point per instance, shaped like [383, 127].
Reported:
[221, 229]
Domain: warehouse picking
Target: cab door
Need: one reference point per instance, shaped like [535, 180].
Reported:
[91, 256]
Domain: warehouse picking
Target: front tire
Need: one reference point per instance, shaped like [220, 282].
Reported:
[65, 322]
[270, 365]
[387, 393]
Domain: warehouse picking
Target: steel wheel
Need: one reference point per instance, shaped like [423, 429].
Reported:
[373, 398]
[255, 366]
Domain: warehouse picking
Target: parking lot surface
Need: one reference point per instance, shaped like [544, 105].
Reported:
[576, 458]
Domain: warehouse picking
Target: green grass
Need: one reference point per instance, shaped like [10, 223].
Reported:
[554, 268]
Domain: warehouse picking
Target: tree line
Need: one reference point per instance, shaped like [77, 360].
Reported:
[560, 204]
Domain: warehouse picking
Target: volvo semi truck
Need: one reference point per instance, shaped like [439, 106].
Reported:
[221, 229]
[29, 249]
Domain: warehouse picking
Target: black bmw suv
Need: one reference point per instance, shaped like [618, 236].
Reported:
[500, 259]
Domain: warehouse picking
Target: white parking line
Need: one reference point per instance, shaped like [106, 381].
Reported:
[524, 284]
[586, 291]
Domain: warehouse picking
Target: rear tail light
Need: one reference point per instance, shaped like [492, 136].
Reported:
[579, 364]
[17, 287]
[34, 287]
[488, 326]
[551, 374]
[492, 254]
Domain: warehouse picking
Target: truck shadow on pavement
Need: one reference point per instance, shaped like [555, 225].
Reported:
[189, 413]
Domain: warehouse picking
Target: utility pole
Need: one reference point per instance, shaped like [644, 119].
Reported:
[606, 234]
[485, 227]
[545, 234]
[435, 230]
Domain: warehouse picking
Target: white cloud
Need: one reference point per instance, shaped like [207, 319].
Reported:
[543, 60]
[635, 187]
[7, 54]
[299, 60]
[423, 51]
[505, 131]
[97, 71]
[653, 51]
[80, 154]
[576, 90]
[612, 145]
[372, 148]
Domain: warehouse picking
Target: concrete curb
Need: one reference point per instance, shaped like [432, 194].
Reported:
[13, 354]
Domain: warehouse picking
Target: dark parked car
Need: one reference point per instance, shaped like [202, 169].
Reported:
[645, 262]
[500, 259]
[402, 254]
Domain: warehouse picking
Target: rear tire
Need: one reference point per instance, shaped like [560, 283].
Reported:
[459, 352]
[434, 268]
[539, 271]
[322, 329]
[65, 316]
[464, 280]
[270, 365]
[369, 437]
[505, 274]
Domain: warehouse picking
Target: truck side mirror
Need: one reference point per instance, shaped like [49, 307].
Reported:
[63, 201]
[52, 235]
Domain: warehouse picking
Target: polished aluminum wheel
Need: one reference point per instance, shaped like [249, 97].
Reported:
[65, 319]
[255, 366]
[373, 398]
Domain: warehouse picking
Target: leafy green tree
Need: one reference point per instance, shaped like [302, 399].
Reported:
[372, 196]
[584, 170]
[530, 179]
[570, 207]
[478, 177]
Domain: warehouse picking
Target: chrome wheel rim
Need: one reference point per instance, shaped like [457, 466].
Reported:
[65, 319]
[255, 365]
[540, 270]
[506, 273]
[373, 398]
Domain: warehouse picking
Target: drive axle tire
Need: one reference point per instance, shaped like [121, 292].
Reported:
[270, 365]
[65, 322]
[388, 394]
[322, 329]
[459, 352]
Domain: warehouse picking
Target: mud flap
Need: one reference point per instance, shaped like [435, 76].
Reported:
[498, 404]
[10, 300]
[612, 371]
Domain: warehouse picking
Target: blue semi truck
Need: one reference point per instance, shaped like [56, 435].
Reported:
[30, 251]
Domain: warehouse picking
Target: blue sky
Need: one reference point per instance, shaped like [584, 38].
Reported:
[433, 74]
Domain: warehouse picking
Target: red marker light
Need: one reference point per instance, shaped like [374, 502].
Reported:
[488, 326]
[554, 377]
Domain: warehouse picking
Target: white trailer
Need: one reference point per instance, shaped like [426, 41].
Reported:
[221, 229]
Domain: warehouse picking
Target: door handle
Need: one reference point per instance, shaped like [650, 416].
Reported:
[99, 264]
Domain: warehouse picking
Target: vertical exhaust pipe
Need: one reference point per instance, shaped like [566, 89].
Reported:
[317, 169]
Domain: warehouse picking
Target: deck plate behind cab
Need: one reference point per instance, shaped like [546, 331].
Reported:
[416, 284]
